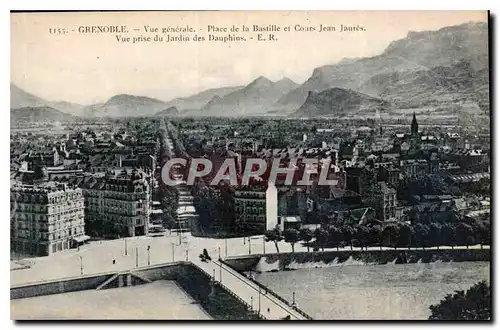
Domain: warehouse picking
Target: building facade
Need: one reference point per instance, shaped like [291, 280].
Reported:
[414, 168]
[117, 205]
[388, 200]
[250, 208]
[46, 218]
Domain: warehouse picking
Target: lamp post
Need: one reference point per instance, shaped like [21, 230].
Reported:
[225, 242]
[293, 299]
[264, 244]
[149, 255]
[219, 252]
[220, 271]
[251, 303]
[173, 255]
[249, 246]
[126, 250]
[136, 257]
[259, 299]
[81, 265]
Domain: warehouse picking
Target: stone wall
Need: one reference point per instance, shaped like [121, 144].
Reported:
[271, 262]
[58, 286]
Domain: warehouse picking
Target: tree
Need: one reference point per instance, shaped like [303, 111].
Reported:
[390, 235]
[306, 235]
[363, 235]
[292, 237]
[335, 236]
[405, 235]
[449, 234]
[465, 234]
[483, 232]
[376, 235]
[475, 304]
[168, 221]
[435, 234]
[321, 237]
[421, 234]
[38, 173]
[348, 232]
[274, 236]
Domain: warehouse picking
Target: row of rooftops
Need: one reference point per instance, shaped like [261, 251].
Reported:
[469, 177]
[112, 180]
[44, 188]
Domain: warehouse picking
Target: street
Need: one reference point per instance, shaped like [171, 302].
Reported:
[97, 257]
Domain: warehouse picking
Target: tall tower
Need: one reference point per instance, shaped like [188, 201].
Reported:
[414, 126]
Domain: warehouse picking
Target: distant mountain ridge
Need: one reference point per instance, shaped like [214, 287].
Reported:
[447, 68]
[22, 99]
[418, 52]
[169, 112]
[126, 105]
[38, 114]
[257, 97]
[197, 101]
[337, 102]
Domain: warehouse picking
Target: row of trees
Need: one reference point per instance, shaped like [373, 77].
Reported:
[388, 235]
[169, 196]
[215, 207]
[179, 149]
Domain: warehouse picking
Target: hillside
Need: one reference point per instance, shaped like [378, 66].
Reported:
[338, 101]
[20, 98]
[440, 86]
[257, 97]
[38, 114]
[169, 112]
[413, 55]
[125, 105]
[199, 100]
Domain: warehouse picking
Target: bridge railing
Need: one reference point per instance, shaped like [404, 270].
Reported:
[230, 292]
[232, 271]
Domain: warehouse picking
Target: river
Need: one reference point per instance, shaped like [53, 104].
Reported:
[370, 292]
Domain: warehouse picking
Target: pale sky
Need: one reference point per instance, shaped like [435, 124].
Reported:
[85, 68]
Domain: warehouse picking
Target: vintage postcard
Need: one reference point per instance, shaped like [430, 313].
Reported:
[232, 165]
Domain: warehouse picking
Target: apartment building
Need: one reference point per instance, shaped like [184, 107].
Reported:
[117, 205]
[256, 207]
[46, 218]
[388, 200]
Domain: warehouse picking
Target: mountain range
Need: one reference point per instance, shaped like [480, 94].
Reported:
[169, 112]
[425, 66]
[38, 114]
[445, 69]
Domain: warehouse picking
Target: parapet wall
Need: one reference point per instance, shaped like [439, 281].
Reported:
[90, 282]
[218, 301]
[59, 286]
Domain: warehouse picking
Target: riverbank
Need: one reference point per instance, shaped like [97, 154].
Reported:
[288, 261]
